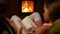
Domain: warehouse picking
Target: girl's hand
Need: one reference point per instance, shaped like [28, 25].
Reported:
[43, 28]
[17, 30]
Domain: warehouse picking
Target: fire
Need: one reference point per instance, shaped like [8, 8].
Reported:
[27, 6]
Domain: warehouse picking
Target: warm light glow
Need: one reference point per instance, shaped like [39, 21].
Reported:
[27, 6]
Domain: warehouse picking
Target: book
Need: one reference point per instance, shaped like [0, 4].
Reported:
[17, 21]
[28, 23]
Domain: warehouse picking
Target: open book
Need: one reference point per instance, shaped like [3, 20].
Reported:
[26, 23]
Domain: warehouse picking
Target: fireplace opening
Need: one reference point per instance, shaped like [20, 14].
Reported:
[27, 6]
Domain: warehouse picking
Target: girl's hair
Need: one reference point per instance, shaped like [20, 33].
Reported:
[53, 7]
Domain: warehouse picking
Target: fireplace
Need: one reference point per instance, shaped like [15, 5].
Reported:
[27, 7]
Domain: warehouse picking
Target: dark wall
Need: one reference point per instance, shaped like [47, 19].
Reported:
[13, 7]
[39, 5]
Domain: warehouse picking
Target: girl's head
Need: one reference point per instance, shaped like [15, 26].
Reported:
[51, 10]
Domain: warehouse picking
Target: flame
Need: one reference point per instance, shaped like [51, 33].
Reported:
[26, 7]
